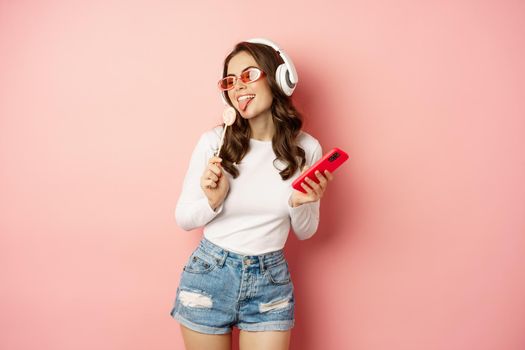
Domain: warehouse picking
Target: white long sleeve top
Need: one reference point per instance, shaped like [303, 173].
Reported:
[255, 217]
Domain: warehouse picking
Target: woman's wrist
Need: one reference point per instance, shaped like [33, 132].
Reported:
[213, 205]
[294, 203]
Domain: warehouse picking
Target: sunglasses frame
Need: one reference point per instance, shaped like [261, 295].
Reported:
[235, 78]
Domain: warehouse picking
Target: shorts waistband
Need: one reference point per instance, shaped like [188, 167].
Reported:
[263, 261]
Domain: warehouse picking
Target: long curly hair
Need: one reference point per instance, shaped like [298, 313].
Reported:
[286, 118]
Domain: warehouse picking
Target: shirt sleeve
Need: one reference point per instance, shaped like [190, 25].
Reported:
[193, 210]
[305, 217]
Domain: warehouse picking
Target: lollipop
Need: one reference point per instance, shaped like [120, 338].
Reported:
[228, 116]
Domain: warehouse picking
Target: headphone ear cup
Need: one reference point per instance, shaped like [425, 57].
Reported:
[280, 77]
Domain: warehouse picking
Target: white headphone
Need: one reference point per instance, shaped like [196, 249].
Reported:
[285, 75]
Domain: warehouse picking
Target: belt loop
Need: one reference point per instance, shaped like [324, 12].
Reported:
[261, 263]
[222, 260]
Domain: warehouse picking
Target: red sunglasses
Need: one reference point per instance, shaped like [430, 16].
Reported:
[248, 76]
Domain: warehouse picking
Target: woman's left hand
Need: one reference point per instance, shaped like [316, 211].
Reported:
[314, 191]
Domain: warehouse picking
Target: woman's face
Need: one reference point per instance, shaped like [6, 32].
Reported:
[258, 96]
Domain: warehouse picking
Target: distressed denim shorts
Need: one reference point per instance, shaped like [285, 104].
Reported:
[220, 289]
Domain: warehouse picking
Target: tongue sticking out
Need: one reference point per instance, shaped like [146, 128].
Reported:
[244, 103]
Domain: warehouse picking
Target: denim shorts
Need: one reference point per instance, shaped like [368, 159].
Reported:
[219, 289]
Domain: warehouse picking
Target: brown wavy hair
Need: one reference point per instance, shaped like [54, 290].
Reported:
[286, 118]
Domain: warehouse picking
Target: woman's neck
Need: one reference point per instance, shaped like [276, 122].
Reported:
[262, 127]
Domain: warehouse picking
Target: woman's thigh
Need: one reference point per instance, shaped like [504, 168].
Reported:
[267, 340]
[198, 341]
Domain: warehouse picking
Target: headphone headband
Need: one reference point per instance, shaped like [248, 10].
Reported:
[289, 64]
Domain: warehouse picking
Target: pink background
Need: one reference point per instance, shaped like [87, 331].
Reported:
[422, 236]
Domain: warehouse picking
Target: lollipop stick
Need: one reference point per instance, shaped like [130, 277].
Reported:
[222, 141]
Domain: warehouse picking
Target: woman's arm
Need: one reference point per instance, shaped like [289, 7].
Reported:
[193, 209]
[305, 217]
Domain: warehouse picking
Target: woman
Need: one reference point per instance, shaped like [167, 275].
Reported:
[238, 276]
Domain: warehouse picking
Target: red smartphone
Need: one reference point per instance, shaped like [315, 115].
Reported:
[330, 161]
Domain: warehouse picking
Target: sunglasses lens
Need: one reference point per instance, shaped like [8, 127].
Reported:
[226, 83]
[250, 75]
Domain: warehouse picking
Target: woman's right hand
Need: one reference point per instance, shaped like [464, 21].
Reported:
[214, 183]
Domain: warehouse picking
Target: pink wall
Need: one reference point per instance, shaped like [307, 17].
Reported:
[422, 236]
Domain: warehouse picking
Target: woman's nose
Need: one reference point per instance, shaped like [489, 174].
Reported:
[238, 83]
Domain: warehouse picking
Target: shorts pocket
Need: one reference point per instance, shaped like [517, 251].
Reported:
[279, 274]
[200, 262]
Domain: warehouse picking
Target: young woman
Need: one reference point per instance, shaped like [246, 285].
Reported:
[238, 275]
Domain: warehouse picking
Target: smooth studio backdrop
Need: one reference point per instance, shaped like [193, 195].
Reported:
[422, 237]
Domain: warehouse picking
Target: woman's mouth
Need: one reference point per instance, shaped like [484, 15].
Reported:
[244, 100]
